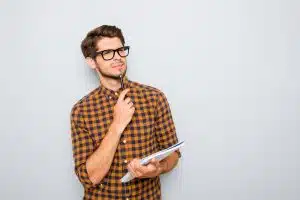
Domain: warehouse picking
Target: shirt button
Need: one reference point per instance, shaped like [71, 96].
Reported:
[124, 141]
[127, 198]
[101, 185]
[125, 161]
[116, 93]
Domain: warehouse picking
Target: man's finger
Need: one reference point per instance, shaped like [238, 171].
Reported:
[142, 169]
[155, 162]
[132, 168]
[151, 167]
[134, 164]
[130, 104]
[132, 172]
[127, 100]
[123, 93]
[138, 174]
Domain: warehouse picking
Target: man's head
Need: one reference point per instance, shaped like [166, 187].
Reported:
[104, 50]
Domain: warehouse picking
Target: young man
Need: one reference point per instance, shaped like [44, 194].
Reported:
[117, 124]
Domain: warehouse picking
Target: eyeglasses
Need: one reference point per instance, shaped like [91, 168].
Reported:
[110, 53]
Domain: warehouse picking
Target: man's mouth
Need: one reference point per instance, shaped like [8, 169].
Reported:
[118, 66]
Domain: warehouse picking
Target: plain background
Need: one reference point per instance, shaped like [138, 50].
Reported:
[230, 70]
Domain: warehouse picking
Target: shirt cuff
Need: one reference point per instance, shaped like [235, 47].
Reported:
[84, 177]
[178, 153]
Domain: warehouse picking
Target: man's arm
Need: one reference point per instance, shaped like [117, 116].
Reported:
[99, 162]
[93, 166]
[166, 136]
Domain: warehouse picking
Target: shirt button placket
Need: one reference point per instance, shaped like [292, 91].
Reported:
[125, 162]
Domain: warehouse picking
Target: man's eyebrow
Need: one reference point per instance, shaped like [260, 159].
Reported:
[109, 49]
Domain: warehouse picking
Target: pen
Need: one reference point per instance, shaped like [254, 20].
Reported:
[122, 84]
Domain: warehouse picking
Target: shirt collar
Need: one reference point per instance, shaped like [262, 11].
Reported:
[110, 93]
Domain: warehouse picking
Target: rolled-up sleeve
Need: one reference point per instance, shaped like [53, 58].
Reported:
[164, 125]
[82, 147]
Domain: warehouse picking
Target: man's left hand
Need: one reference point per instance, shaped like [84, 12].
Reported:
[153, 169]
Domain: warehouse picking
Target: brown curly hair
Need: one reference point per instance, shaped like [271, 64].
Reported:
[88, 45]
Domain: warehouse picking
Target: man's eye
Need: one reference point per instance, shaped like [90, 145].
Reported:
[107, 52]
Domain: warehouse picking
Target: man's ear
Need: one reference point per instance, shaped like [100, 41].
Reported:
[91, 63]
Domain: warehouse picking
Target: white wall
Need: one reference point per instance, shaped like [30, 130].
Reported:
[230, 70]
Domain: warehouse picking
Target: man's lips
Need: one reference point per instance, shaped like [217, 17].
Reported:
[118, 66]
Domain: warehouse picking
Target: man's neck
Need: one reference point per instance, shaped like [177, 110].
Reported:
[112, 84]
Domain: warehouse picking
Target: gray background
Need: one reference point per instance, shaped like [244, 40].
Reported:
[230, 70]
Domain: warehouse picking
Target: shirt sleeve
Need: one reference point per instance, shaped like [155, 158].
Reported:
[82, 147]
[164, 125]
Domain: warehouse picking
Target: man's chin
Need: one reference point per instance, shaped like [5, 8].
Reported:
[113, 76]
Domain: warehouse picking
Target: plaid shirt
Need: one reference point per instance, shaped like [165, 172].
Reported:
[150, 130]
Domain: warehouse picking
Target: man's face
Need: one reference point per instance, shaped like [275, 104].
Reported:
[114, 67]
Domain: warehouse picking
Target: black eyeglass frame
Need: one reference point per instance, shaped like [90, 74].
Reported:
[125, 48]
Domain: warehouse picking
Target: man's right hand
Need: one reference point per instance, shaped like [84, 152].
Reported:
[123, 111]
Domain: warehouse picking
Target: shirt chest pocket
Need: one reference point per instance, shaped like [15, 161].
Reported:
[143, 119]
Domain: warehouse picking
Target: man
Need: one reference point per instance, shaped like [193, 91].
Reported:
[113, 126]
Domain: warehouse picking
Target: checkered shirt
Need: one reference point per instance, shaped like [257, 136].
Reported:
[150, 130]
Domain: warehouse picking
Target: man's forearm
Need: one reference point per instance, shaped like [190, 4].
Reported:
[99, 162]
[169, 162]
